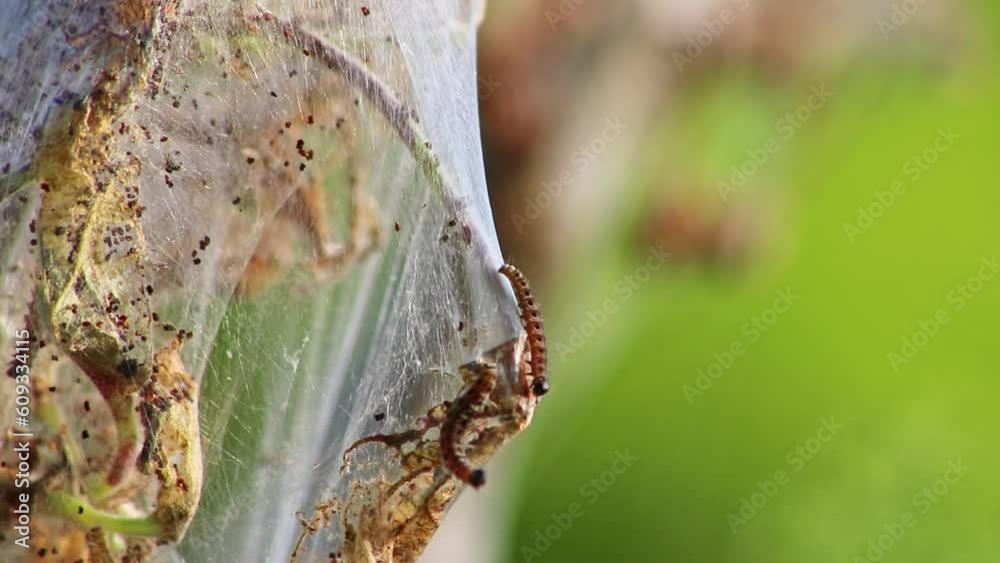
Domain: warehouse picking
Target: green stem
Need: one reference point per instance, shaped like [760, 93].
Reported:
[82, 512]
[52, 417]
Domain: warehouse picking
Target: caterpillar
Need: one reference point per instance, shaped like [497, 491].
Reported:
[531, 319]
[457, 421]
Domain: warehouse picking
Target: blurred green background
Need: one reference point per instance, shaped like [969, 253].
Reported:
[742, 466]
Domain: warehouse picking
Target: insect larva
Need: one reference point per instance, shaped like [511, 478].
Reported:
[531, 319]
[457, 421]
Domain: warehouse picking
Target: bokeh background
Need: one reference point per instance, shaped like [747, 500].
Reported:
[810, 375]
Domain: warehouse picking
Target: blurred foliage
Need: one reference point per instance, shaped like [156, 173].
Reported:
[826, 357]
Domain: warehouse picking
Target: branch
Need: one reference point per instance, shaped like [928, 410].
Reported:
[403, 119]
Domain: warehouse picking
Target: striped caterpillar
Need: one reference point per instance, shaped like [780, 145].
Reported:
[466, 406]
[454, 426]
[531, 319]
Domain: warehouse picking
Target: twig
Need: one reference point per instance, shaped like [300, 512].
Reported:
[400, 116]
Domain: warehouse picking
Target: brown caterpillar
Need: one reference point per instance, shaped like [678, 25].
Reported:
[531, 319]
[455, 424]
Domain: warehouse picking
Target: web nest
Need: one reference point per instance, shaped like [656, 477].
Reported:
[300, 193]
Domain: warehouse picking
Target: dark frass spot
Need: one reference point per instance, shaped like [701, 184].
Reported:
[379, 417]
[129, 367]
[478, 478]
